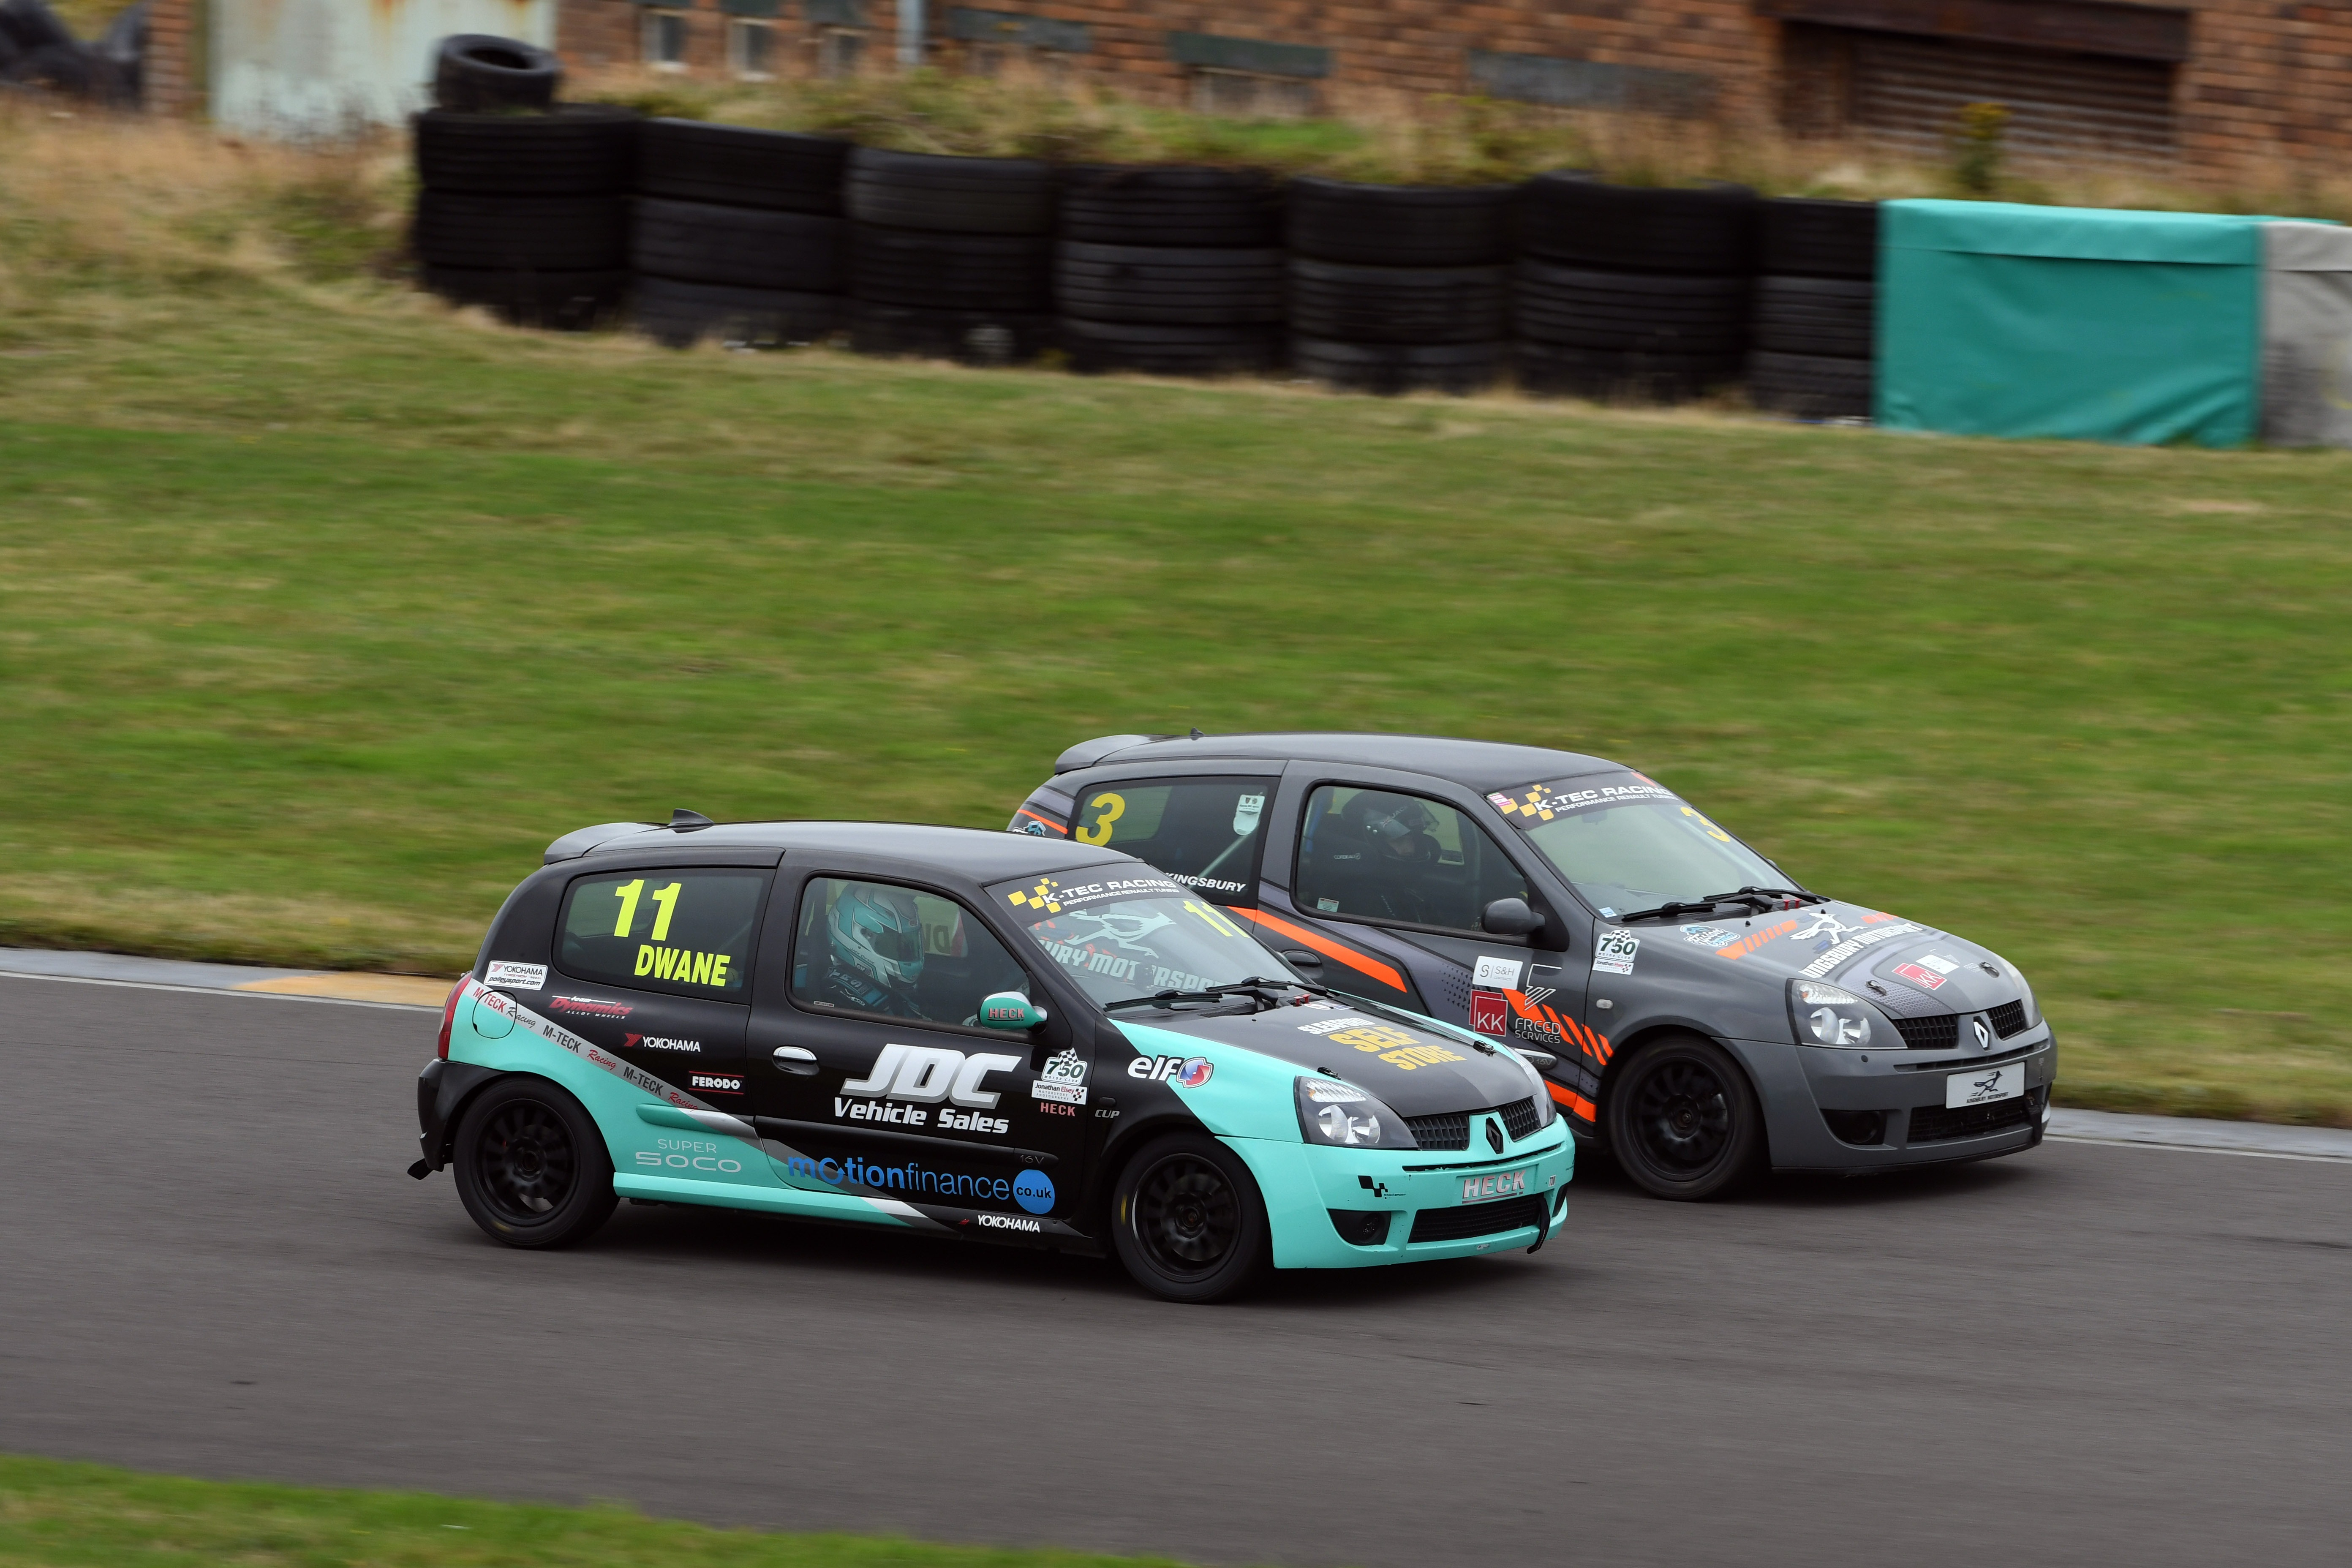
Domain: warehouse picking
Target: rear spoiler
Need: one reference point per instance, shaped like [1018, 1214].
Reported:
[1086, 753]
[581, 840]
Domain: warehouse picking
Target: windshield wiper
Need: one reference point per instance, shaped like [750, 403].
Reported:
[1252, 988]
[1706, 908]
[1772, 893]
[1759, 898]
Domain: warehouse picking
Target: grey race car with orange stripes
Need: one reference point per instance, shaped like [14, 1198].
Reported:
[1710, 1016]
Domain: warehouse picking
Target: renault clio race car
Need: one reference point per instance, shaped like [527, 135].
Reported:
[955, 1032]
[1709, 1015]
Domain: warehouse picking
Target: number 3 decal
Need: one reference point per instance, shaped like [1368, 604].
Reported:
[1111, 807]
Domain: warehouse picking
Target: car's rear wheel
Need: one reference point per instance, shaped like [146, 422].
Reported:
[1187, 1220]
[531, 1166]
[1683, 1120]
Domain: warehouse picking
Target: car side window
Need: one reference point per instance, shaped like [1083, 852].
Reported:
[1204, 833]
[897, 953]
[686, 931]
[1378, 855]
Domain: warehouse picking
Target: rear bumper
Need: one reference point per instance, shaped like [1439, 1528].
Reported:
[442, 1090]
[1897, 1094]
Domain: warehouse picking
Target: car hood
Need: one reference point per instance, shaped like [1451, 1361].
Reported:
[1414, 1070]
[1908, 968]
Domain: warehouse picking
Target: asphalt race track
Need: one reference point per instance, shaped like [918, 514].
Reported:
[211, 1262]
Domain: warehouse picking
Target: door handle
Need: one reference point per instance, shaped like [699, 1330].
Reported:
[793, 1060]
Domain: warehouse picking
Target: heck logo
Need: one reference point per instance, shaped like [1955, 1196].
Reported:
[660, 1043]
[715, 1083]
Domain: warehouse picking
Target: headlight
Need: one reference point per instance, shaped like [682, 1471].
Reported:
[1545, 1109]
[1331, 1111]
[1829, 1014]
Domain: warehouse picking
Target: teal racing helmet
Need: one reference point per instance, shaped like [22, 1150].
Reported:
[877, 933]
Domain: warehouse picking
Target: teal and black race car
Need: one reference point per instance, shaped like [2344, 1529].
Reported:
[965, 1034]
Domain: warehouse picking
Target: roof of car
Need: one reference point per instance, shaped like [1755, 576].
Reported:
[1479, 764]
[979, 854]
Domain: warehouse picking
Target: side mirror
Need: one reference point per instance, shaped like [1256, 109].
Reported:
[1310, 964]
[1009, 1010]
[1510, 917]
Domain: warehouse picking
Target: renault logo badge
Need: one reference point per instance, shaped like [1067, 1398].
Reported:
[1494, 1136]
[1984, 1036]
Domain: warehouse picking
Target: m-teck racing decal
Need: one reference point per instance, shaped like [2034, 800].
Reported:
[636, 1077]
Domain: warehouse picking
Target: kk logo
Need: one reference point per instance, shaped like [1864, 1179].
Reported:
[1040, 897]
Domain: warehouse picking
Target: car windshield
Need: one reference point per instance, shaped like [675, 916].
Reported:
[1124, 936]
[1627, 843]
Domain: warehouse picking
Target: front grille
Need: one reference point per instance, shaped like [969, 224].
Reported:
[1477, 1219]
[2008, 1019]
[1447, 1129]
[1933, 1124]
[1937, 1034]
[1519, 1118]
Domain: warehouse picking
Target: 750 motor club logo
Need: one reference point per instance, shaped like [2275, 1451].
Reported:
[908, 1080]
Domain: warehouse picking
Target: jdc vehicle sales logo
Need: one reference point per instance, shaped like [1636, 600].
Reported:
[907, 1080]
[1061, 1080]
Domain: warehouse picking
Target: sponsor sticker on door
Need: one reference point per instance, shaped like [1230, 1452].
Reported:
[1490, 1013]
[1966, 1089]
[1494, 1184]
[517, 976]
[1497, 974]
[1613, 953]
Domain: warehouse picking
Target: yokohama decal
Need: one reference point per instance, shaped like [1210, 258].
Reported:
[636, 1077]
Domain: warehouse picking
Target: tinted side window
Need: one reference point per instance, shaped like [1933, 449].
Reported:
[876, 947]
[1391, 857]
[688, 930]
[1045, 815]
[1204, 833]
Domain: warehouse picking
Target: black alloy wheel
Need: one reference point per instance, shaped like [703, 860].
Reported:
[1683, 1120]
[1188, 1222]
[531, 1167]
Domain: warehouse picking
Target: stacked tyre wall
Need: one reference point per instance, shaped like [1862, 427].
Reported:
[526, 213]
[1172, 271]
[1398, 288]
[738, 234]
[1816, 309]
[951, 257]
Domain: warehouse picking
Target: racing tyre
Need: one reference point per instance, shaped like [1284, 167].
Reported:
[1572, 216]
[949, 195]
[536, 233]
[702, 242]
[953, 271]
[1187, 1220]
[531, 1167]
[1684, 1121]
[739, 165]
[1810, 386]
[1805, 236]
[1399, 304]
[1390, 368]
[1827, 316]
[480, 72]
[1663, 313]
[1169, 285]
[1233, 209]
[581, 149]
[1401, 226]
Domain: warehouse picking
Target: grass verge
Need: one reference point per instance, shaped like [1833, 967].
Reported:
[322, 610]
[59, 1515]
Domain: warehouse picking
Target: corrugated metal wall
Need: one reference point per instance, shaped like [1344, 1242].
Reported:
[314, 67]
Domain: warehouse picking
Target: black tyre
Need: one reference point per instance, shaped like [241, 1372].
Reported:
[1095, 347]
[1660, 312]
[534, 234]
[1399, 304]
[967, 337]
[1188, 1221]
[1167, 284]
[700, 242]
[1109, 204]
[1803, 236]
[949, 195]
[1810, 386]
[580, 148]
[481, 72]
[953, 271]
[679, 314]
[780, 171]
[564, 301]
[1572, 216]
[1832, 317]
[1401, 226]
[1390, 368]
[1633, 376]
[531, 1167]
[1683, 1119]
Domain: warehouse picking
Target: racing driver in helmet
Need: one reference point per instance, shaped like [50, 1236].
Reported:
[875, 954]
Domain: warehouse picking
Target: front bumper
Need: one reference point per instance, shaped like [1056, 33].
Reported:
[1421, 1192]
[1821, 1106]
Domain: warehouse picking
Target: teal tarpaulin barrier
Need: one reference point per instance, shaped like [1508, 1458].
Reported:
[2000, 320]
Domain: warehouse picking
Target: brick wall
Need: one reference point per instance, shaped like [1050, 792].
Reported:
[168, 82]
[2267, 85]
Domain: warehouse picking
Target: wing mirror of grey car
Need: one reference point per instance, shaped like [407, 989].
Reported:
[1009, 1010]
[1510, 917]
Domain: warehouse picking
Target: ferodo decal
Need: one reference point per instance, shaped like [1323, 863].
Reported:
[716, 1082]
[635, 1077]
[1401, 1049]
[907, 1080]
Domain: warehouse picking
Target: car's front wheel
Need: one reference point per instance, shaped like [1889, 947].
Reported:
[1683, 1120]
[531, 1167]
[1187, 1220]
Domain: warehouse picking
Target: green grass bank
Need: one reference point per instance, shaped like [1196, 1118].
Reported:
[58, 1515]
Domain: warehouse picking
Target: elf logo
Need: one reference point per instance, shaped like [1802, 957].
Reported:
[1185, 1072]
[926, 1074]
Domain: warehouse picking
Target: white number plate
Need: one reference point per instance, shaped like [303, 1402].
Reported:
[1984, 1087]
[1494, 1184]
